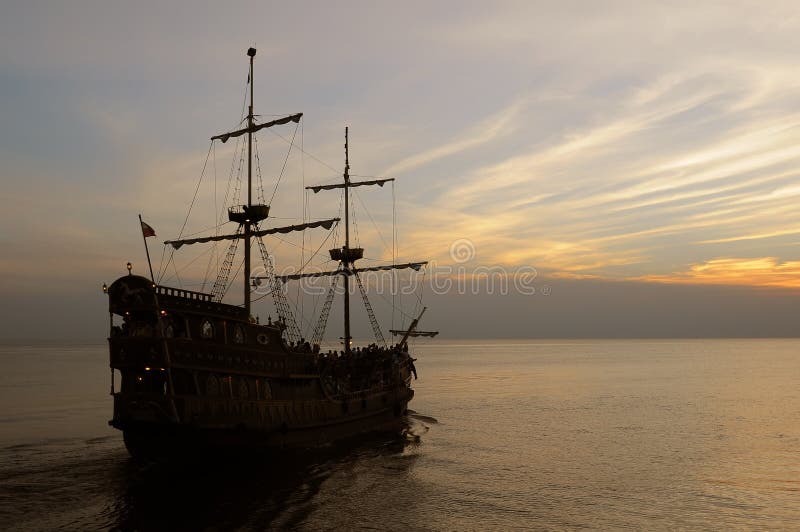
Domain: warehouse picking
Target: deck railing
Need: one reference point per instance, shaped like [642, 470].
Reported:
[180, 292]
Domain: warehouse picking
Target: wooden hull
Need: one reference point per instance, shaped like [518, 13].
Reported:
[170, 442]
[196, 375]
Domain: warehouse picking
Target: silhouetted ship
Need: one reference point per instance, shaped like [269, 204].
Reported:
[198, 373]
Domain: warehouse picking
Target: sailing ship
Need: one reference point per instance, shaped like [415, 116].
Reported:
[197, 373]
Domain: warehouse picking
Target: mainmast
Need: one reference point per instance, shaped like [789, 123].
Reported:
[249, 216]
[251, 52]
[346, 259]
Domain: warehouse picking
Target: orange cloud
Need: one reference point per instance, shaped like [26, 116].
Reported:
[764, 272]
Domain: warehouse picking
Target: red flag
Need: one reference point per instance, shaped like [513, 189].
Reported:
[147, 230]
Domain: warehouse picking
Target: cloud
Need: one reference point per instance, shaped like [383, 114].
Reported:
[673, 161]
[756, 236]
[760, 272]
[500, 124]
[613, 142]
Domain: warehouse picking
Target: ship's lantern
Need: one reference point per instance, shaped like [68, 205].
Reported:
[105, 288]
[130, 267]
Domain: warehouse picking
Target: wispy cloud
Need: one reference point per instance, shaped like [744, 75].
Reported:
[755, 236]
[638, 141]
[673, 162]
[500, 124]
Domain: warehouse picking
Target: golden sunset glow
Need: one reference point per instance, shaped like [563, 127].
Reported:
[669, 154]
[761, 272]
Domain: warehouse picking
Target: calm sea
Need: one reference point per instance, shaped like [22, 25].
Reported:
[697, 434]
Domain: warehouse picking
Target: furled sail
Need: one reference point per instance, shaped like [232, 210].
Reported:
[255, 127]
[415, 334]
[327, 224]
[380, 182]
[413, 265]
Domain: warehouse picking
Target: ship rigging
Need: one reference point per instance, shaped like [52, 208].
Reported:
[194, 370]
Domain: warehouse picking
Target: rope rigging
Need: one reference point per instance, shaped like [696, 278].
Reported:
[355, 221]
[371, 219]
[390, 249]
[304, 198]
[221, 283]
[394, 251]
[285, 160]
[376, 328]
[194, 198]
[322, 322]
[320, 161]
[241, 163]
[213, 257]
[282, 307]
[220, 287]
[260, 187]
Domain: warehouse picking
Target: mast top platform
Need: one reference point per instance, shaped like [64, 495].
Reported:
[248, 213]
[347, 255]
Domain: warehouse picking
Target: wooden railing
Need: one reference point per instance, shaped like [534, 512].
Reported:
[179, 292]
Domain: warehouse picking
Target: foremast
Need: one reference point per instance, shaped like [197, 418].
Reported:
[347, 257]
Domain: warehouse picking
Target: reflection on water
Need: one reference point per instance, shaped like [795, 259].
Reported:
[555, 435]
[94, 484]
[279, 491]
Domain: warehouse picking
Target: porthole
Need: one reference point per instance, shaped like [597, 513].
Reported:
[262, 339]
[239, 336]
[207, 329]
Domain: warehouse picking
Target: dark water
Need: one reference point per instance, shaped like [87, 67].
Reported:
[545, 435]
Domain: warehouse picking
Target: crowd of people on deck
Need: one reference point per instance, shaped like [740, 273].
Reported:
[365, 367]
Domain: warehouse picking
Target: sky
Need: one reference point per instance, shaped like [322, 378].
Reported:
[641, 158]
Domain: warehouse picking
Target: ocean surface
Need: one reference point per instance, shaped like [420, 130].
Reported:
[660, 434]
